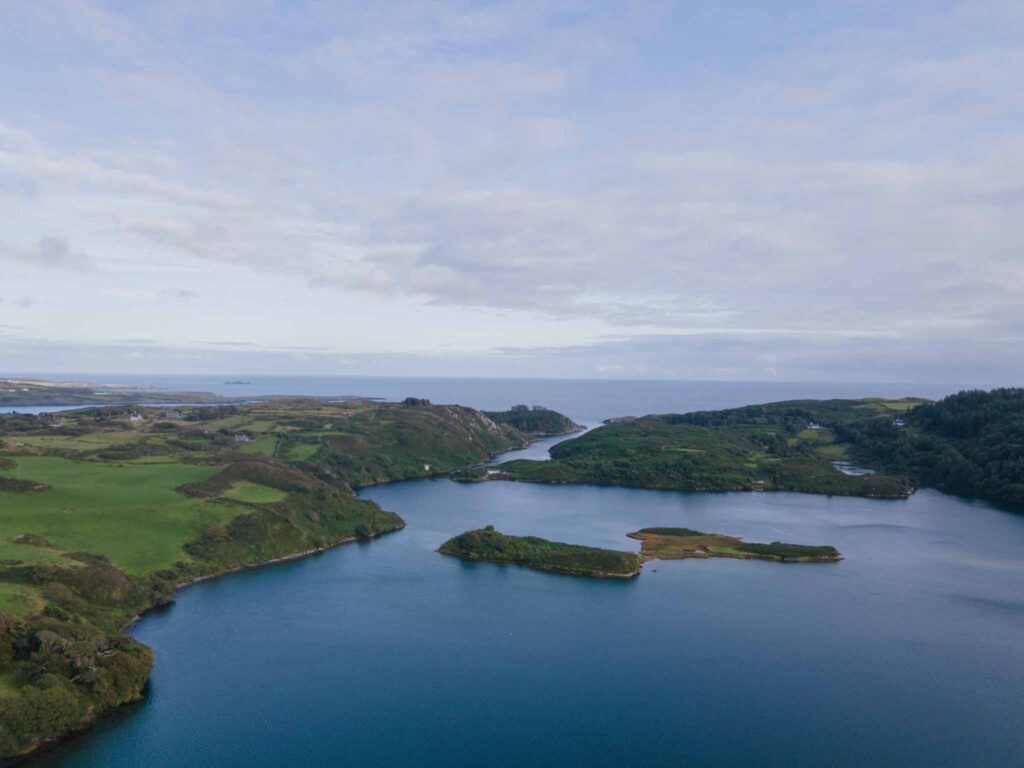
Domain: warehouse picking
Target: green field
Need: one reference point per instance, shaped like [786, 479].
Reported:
[253, 493]
[302, 451]
[265, 445]
[131, 513]
[87, 442]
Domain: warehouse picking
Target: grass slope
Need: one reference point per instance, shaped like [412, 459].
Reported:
[130, 513]
[253, 493]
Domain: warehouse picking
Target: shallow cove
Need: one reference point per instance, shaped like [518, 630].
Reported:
[910, 652]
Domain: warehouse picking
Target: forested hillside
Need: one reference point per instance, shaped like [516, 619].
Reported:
[786, 446]
[971, 443]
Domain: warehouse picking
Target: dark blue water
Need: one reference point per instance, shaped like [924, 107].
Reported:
[908, 653]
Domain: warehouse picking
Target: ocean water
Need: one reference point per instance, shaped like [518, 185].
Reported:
[910, 652]
[587, 401]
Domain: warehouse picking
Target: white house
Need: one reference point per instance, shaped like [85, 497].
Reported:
[135, 417]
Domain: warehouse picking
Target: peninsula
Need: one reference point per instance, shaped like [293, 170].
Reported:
[969, 443]
[543, 555]
[107, 511]
[16, 393]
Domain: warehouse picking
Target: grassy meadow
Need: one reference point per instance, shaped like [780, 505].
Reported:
[129, 512]
[253, 493]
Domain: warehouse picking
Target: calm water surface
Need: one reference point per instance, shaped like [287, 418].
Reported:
[908, 653]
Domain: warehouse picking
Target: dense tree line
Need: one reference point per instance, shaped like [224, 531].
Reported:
[970, 443]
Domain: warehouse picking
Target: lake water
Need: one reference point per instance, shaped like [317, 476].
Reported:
[908, 653]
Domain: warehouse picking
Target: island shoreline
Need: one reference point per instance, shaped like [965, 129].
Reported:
[557, 571]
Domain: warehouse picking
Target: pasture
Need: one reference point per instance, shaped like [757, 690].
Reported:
[129, 512]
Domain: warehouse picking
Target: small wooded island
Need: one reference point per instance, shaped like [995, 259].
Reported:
[682, 543]
[541, 554]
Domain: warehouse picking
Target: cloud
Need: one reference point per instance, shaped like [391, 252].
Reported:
[50, 253]
[17, 185]
[179, 294]
[631, 172]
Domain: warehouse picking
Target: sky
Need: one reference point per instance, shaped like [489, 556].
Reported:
[825, 191]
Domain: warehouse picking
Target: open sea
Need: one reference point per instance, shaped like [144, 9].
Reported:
[910, 652]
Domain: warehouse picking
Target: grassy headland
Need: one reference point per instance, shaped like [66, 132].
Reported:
[541, 554]
[681, 543]
[105, 516]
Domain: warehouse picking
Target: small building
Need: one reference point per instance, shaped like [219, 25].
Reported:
[135, 416]
[426, 467]
[814, 425]
[899, 423]
[241, 437]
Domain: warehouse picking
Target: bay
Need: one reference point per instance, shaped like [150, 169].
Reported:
[909, 652]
